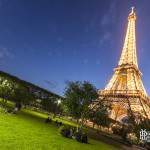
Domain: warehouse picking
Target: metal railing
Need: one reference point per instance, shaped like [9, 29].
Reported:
[133, 93]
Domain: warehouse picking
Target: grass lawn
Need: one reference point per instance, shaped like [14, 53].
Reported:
[28, 131]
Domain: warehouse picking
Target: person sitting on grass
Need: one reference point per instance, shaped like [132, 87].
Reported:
[18, 106]
[80, 136]
[65, 131]
[73, 131]
[84, 138]
[58, 123]
[10, 110]
[48, 120]
[15, 110]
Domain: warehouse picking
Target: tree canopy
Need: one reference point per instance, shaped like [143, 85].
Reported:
[78, 97]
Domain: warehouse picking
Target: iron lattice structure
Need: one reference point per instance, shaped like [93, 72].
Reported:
[125, 90]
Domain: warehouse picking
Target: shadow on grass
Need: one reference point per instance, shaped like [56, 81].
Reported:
[32, 115]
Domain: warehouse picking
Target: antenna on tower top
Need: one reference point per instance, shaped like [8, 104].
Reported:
[132, 10]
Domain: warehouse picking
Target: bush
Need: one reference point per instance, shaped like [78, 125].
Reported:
[132, 138]
[117, 130]
[2, 110]
[124, 131]
[147, 146]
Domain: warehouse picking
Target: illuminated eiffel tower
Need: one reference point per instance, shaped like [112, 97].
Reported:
[125, 90]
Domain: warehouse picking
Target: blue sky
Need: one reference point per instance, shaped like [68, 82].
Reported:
[48, 42]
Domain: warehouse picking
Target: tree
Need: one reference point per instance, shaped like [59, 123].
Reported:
[51, 105]
[6, 89]
[22, 95]
[136, 122]
[100, 115]
[78, 97]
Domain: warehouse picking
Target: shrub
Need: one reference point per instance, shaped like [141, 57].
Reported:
[123, 131]
[117, 130]
[147, 146]
[2, 110]
[132, 138]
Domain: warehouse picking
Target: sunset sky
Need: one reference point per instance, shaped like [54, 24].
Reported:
[48, 42]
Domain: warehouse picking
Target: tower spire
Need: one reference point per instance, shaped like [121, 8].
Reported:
[132, 9]
[129, 54]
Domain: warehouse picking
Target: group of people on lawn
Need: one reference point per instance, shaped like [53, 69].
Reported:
[49, 120]
[70, 132]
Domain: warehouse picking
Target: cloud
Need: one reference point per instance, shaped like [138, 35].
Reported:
[5, 53]
[55, 52]
[98, 62]
[85, 61]
[106, 22]
[51, 84]
[109, 16]
[106, 36]
[50, 53]
[60, 39]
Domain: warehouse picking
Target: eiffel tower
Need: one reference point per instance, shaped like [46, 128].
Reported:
[125, 90]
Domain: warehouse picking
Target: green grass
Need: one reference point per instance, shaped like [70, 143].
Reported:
[28, 131]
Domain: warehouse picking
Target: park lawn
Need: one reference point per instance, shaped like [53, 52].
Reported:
[43, 115]
[28, 131]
